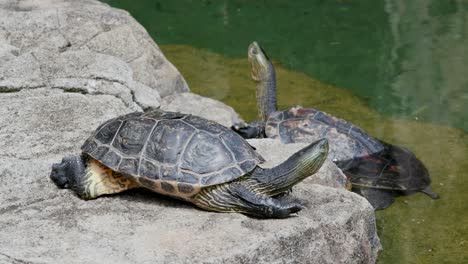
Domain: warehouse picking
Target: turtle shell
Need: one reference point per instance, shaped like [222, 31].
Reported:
[366, 161]
[395, 168]
[307, 125]
[171, 147]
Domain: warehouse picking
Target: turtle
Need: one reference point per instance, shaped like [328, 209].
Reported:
[186, 157]
[377, 170]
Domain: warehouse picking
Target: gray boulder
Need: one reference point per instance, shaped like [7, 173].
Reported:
[40, 223]
[82, 46]
[190, 103]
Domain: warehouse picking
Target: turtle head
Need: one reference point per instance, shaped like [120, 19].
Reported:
[63, 174]
[262, 67]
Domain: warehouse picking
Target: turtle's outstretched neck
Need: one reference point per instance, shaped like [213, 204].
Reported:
[299, 166]
[263, 73]
[266, 96]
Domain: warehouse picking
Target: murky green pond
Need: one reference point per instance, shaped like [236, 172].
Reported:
[396, 68]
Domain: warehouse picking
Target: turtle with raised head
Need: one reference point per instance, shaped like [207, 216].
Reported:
[377, 170]
[186, 157]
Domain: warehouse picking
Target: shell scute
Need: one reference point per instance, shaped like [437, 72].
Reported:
[149, 169]
[105, 134]
[205, 154]
[167, 141]
[128, 166]
[240, 148]
[132, 135]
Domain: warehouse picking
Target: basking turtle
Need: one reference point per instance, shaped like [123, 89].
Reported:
[377, 170]
[186, 157]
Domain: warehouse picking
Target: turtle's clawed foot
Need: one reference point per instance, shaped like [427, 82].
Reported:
[250, 130]
[287, 210]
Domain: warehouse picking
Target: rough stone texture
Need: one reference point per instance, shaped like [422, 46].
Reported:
[190, 103]
[82, 46]
[42, 224]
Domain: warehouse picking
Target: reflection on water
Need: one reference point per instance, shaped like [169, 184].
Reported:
[406, 60]
[429, 59]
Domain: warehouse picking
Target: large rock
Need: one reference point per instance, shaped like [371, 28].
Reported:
[82, 46]
[40, 223]
[194, 104]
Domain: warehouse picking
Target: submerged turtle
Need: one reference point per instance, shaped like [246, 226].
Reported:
[186, 157]
[377, 170]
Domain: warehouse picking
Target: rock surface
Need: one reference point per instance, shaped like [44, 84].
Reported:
[41, 224]
[82, 46]
[190, 103]
[60, 77]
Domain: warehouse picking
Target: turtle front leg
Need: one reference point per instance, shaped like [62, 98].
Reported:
[238, 197]
[250, 130]
[89, 179]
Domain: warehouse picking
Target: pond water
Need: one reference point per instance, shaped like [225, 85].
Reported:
[396, 68]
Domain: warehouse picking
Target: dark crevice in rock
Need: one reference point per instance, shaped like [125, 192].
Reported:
[65, 47]
[85, 91]
[101, 78]
[4, 89]
[72, 90]
[132, 93]
[9, 89]
[15, 260]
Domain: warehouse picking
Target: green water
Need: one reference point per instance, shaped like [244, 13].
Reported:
[396, 68]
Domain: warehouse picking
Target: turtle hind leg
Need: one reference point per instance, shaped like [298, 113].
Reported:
[378, 198]
[428, 191]
[238, 197]
[89, 181]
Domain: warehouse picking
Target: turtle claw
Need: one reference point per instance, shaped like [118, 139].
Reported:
[251, 130]
[288, 210]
